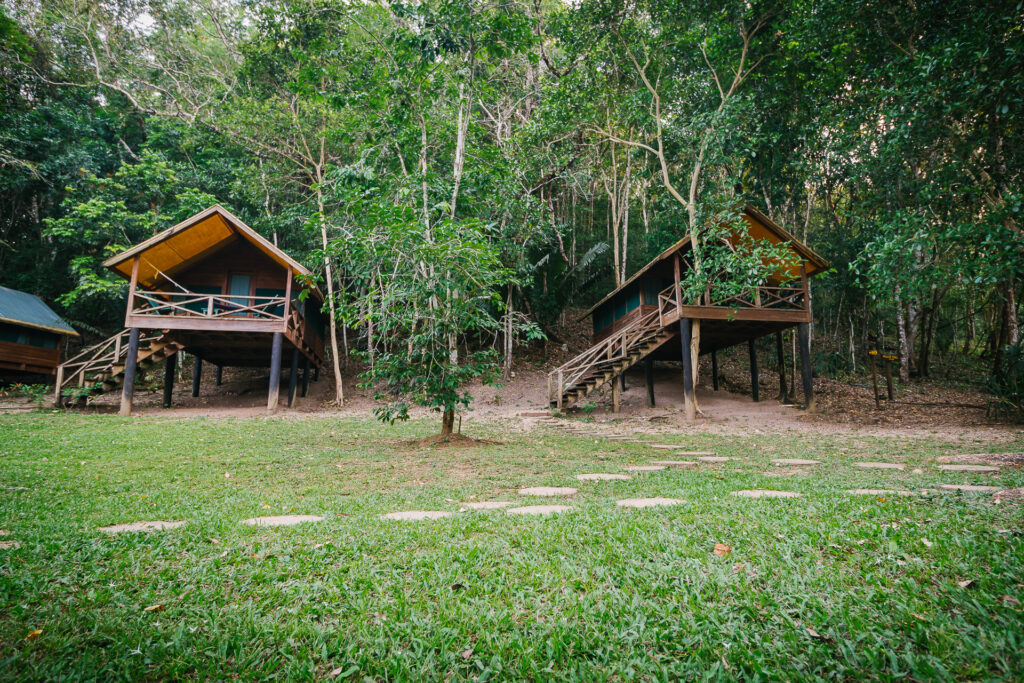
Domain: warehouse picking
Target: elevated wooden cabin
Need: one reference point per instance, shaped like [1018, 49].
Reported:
[31, 334]
[648, 318]
[215, 288]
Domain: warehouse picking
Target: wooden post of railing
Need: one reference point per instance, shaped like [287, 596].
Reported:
[131, 294]
[209, 306]
[60, 382]
[803, 285]
[117, 347]
[550, 397]
[288, 297]
[679, 290]
[558, 391]
[757, 297]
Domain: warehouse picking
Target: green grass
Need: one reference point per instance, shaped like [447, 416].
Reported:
[598, 593]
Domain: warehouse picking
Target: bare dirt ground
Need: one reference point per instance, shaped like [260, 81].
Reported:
[921, 409]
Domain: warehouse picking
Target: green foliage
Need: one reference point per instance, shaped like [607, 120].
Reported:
[37, 393]
[1008, 384]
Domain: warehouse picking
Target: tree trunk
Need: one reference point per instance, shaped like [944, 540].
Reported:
[447, 423]
[339, 391]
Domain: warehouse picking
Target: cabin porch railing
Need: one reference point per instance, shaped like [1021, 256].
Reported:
[162, 305]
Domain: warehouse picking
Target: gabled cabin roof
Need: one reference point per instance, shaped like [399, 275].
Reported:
[191, 241]
[757, 223]
[28, 310]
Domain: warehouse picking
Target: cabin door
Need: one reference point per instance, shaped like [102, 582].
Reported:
[238, 289]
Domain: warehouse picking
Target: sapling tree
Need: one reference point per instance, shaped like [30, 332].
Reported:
[415, 296]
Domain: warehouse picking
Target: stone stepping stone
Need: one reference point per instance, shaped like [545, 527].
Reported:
[140, 526]
[488, 504]
[603, 476]
[880, 465]
[281, 520]
[795, 462]
[9, 545]
[969, 468]
[417, 515]
[539, 509]
[880, 492]
[647, 502]
[661, 446]
[644, 468]
[714, 458]
[967, 487]
[676, 463]
[547, 491]
[766, 493]
[695, 454]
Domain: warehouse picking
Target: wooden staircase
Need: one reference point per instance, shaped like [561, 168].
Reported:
[608, 359]
[100, 368]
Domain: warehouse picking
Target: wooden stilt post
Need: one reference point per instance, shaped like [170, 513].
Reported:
[714, 370]
[220, 374]
[690, 405]
[783, 390]
[197, 375]
[755, 388]
[170, 365]
[131, 363]
[275, 372]
[305, 378]
[649, 377]
[805, 362]
[293, 376]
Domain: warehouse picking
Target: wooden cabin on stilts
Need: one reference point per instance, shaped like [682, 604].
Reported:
[213, 288]
[649, 318]
[31, 335]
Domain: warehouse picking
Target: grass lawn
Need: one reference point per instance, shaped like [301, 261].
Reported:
[826, 585]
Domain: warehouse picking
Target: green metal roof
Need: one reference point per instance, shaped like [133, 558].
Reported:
[28, 310]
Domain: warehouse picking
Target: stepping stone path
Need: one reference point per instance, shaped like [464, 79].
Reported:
[967, 487]
[880, 492]
[539, 509]
[969, 468]
[676, 463]
[547, 491]
[417, 515]
[766, 493]
[647, 502]
[281, 520]
[140, 526]
[700, 455]
[713, 458]
[488, 504]
[603, 476]
[644, 468]
[795, 462]
[880, 465]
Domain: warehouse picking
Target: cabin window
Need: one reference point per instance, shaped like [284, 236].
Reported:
[238, 290]
[273, 310]
[632, 297]
[201, 306]
[602, 317]
[21, 335]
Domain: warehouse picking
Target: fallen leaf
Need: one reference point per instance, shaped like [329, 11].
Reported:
[154, 608]
[927, 543]
[466, 654]
[1009, 600]
[814, 634]
[966, 584]
[227, 475]
[457, 586]
[917, 616]
[32, 635]
[213, 540]
[722, 549]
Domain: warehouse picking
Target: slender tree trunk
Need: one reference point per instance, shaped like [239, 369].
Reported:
[447, 423]
[339, 391]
